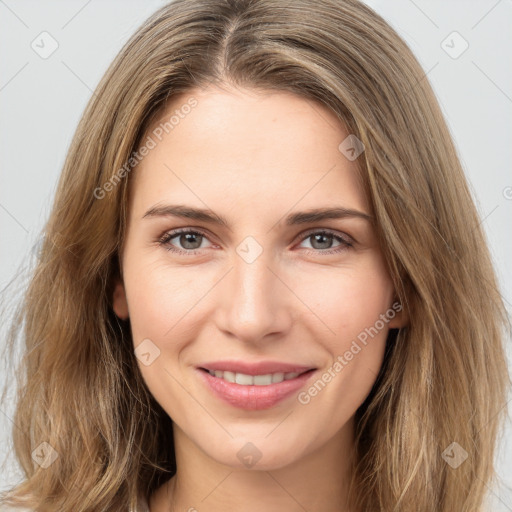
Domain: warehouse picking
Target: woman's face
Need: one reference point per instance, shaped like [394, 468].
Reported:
[262, 294]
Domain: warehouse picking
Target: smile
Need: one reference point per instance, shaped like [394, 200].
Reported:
[253, 380]
[253, 392]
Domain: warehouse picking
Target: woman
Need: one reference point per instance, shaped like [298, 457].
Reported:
[186, 351]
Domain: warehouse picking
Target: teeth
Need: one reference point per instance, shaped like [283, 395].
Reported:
[250, 380]
[277, 377]
[245, 380]
[229, 376]
[262, 380]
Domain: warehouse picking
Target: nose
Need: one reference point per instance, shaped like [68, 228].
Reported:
[255, 304]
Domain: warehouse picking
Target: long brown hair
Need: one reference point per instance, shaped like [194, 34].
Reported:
[443, 385]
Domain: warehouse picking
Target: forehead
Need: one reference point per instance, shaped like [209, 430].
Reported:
[242, 146]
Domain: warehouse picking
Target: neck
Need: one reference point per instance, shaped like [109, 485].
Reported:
[317, 482]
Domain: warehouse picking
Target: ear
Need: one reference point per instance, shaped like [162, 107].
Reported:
[119, 302]
[400, 318]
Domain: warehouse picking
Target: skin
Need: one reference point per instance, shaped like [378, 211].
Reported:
[254, 158]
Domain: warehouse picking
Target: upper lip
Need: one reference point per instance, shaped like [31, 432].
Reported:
[259, 368]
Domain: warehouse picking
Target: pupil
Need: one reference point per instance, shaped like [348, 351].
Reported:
[189, 240]
[316, 238]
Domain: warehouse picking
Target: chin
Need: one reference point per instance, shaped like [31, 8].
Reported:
[257, 454]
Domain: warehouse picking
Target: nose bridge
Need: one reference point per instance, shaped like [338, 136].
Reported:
[256, 303]
[252, 278]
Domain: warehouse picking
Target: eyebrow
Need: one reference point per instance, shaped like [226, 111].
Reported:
[297, 218]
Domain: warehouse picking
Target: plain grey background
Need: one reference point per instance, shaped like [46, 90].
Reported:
[464, 47]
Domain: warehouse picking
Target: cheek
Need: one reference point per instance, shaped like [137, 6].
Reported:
[343, 302]
[161, 303]
[354, 306]
[159, 298]
[347, 301]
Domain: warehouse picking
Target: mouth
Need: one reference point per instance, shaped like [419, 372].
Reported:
[245, 379]
[253, 386]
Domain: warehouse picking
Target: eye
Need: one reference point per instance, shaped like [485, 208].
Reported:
[191, 241]
[322, 242]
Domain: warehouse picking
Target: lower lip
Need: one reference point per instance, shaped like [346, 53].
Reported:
[254, 398]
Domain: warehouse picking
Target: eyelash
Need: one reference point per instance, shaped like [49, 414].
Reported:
[164, 241]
